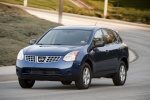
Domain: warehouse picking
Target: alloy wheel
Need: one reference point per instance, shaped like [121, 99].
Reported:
[86, 76]
[122, 73]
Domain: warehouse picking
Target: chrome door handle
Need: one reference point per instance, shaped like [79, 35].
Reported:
[107, 51]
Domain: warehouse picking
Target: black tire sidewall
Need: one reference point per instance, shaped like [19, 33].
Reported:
[116, 79]
[25, 84]
[80, 83]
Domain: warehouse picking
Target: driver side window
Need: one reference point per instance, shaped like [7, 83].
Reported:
[98, 36]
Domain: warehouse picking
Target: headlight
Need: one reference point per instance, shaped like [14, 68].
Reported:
[71, 56]
[20, 55]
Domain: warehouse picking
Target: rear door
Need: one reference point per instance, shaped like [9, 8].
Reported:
[113, 49]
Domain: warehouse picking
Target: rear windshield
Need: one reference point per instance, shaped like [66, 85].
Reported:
[65, 37]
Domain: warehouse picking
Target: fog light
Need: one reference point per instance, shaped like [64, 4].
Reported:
[69, 72]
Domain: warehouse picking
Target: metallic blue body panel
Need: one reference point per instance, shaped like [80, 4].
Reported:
[103, 62]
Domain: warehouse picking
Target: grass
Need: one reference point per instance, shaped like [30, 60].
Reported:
[17, 27]
[44, 4]
[127, 10]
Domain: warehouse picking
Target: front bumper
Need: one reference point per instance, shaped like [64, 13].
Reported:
[60, 71]
[47, 74]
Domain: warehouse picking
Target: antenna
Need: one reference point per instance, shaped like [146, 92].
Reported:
[95, 23]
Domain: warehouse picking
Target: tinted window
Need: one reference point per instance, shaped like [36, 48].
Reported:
[109, 36]
[66, 37]
[117, 36]
[98, 36]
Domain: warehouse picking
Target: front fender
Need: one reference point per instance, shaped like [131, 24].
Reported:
[87, 59]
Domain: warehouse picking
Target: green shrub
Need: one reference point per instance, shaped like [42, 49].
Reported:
[17, 27]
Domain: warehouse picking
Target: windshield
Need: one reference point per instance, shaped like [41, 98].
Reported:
[65, 37]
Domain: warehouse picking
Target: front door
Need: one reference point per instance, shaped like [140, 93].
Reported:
[100, 54]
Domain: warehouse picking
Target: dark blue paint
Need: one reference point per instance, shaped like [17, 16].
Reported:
[105, 60]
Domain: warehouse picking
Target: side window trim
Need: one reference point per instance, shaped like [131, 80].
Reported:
[104, 38]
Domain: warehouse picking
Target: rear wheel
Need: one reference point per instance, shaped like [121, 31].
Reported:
[85, 77]
[24, 83]
[120, 77]
[66, 82]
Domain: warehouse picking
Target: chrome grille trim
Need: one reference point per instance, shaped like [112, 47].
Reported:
[42, 59]
[48, 59]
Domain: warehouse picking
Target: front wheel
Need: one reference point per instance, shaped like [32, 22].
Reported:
[24, 83]
[85, 77]
[120, 77]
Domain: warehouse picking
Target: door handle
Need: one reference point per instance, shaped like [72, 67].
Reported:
[107, 51]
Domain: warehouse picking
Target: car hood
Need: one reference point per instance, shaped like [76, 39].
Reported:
[50, 50]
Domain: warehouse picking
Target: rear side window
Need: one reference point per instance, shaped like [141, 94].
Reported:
[119, 39]
[109, 36]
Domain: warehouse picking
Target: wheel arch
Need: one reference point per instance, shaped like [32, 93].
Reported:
[125, 60]
[86, 59]
[90, 63]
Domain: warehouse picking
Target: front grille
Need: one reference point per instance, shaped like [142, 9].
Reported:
[41, 71]
[42, 59]
[47, 59]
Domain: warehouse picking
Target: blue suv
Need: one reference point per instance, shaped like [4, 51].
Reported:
[74, 53]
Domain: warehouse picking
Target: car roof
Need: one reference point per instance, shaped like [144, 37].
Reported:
[78, 27]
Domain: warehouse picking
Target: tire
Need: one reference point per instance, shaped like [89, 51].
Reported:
[26, 83]
[85, 77]
[66, 82]
[120, 77]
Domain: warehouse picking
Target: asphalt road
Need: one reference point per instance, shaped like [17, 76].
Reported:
[137, 86]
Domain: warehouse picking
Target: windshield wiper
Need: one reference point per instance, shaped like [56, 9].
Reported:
[40, 44]
[56, 44]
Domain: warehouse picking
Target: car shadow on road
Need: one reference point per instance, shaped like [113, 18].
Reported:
[70, 87]
[101, 85]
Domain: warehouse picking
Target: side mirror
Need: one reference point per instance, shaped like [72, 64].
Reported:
[32, 41]
[99, 43]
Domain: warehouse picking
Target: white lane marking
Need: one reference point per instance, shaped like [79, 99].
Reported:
[8, 81]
